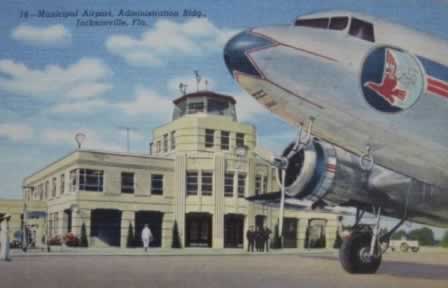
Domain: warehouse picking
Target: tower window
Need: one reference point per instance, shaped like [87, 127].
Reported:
[225, 140]
[209, 138]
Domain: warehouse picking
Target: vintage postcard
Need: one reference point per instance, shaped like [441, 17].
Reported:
[224, 143]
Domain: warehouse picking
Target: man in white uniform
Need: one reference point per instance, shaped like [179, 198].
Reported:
[146, 237]
[4, 238]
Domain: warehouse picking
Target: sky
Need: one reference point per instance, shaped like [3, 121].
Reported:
[59, 76]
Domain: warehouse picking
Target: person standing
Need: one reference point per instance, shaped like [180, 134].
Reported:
[266, 236]
[259, 239]
[146, 237]
[250, 235]
[4, 238]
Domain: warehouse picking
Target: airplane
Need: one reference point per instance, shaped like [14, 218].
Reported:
[370, 98]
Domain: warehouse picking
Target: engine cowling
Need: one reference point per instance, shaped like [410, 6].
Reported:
[322, 171]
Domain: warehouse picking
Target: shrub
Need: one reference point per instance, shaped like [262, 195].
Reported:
[55, 240]
[130, 239]
[83, 241]
[176, 243]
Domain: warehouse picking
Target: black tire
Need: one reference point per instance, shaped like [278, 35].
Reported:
[350, 255]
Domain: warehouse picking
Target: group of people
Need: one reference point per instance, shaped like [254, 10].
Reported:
[258, 239]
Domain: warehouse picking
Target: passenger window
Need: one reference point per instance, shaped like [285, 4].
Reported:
[338, 23]
[313, 23]
[362, 30]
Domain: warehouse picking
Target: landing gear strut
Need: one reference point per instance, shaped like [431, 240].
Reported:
[361, 252]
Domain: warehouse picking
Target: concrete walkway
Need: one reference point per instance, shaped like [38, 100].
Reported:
[62, 251]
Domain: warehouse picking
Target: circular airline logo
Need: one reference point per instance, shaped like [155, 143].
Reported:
[391, 79]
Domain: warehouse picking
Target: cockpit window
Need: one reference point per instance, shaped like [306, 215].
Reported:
[338, 23]
[362, 30]
[313, 23]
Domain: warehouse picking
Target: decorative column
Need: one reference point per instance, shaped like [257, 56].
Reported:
[330, 233]
[218, 216]
[301, 232]
[127, 217]
[180, 167]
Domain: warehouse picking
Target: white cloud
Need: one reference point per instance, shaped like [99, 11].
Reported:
[146, 101]
[92, 141]
[167, 39]
[190, 81]
[16, 132]
[80, 107]
[54, 35]
[85, 79]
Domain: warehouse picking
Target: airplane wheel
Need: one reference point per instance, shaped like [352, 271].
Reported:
[354, 255]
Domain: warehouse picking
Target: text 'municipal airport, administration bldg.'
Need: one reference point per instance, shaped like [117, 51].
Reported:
[193, 175]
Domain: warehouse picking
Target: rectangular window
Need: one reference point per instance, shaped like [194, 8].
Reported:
[73, 180]
[228, 184]
[239, 139]
[47, 188]
[241, 185]
[265, 184]
[91, 180]
[53, 187]
[258, 180]
[127, 182]
[62, 184]
[192, 183]
[195, 107]
[165, 143]
[362, 30]
[158, 147]
[225, 140]
[209, 138]
[157, 184]
[173, 140]
[207, 182]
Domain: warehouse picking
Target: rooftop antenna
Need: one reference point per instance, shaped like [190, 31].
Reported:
[128, 136]
[80, 138]
[198, 79]
[206, 84]
[183, 88]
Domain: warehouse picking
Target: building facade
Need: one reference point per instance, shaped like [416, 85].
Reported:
[199, 171]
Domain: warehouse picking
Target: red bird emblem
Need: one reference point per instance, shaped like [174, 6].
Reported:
[388, 87]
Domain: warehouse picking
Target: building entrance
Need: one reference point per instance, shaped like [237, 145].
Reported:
[290, 232]
[233, 230]
[198, 230]
[154, 221]
[315, 234]
[105, 224]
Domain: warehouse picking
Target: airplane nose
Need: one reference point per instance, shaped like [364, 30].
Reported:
[237, 49]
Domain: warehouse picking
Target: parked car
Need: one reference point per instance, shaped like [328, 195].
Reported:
[404, 245]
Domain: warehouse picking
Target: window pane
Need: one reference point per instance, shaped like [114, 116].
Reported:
[217, 107]
[195, 107]
[209, 138]
[258, 184]
[225, 140]
[338, 23]
[241, 185]
[173, 140]
[265, 184]
[127, 182]
[239, 139]
[207, 183]
[362, 30]
[91, 180]
[313, 23]
[228, 184]
[192, 183]
[165, 143]
[157, 184]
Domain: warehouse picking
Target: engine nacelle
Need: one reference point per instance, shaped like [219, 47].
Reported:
[322, 171]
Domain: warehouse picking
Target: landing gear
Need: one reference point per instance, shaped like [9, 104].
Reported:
[362, 251]
[354, 253]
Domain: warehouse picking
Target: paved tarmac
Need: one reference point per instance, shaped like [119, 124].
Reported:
[425, 269]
